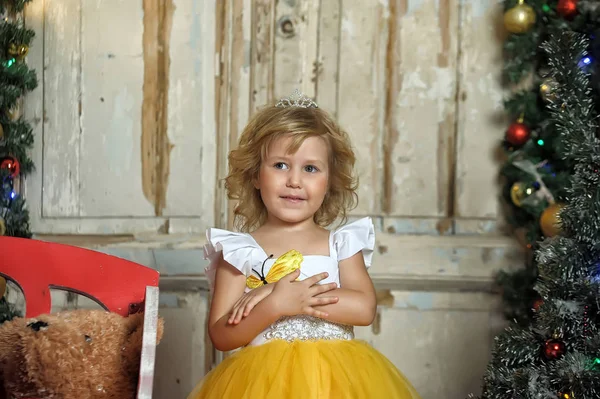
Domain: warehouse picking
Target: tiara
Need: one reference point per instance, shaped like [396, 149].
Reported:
[297, 99]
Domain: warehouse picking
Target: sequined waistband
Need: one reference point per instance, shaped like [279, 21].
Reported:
[304, 328]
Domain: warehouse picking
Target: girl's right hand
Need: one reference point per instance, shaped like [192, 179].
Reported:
[298, 297]
[248, 301]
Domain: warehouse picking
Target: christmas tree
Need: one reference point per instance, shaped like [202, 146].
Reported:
[16, 136]
[558, 354]
[536, 173]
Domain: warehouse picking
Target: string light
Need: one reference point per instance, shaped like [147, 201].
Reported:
[585, 63]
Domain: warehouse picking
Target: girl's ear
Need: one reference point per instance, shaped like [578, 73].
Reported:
[256, 182]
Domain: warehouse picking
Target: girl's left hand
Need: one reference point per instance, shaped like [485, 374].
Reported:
[248, 301]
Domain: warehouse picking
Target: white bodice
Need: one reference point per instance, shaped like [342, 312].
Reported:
[244, 253]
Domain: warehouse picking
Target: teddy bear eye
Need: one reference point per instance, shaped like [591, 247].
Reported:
[88, 338]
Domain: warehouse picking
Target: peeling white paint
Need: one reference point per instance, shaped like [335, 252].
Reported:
[421, 300]
[347, 24]
[413, 81]
[118, 148]
[415, 5]
[480, 8]
[385, 5]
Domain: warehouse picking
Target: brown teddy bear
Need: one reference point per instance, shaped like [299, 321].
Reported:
[83, 354]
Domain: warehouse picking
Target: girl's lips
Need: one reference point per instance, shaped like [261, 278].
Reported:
[292, 198]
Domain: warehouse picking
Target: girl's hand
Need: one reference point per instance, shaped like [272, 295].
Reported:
[298, 297]
[248, 301]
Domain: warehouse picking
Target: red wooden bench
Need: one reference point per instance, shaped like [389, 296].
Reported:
[118, 285]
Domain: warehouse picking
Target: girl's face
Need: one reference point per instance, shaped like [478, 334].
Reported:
[293, 186]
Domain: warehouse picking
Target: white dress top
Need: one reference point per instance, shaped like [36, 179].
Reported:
[243, 252]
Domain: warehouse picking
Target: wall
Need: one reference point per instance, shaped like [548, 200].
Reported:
[140, 102]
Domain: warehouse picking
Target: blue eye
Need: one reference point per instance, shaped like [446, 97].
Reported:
[280, 165]
[311, 169]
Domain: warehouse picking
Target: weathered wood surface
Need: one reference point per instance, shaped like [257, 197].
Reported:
[134, 123]
[417, 91]
[452, 263]
[124, 116]
[481, 118]
[140, 102]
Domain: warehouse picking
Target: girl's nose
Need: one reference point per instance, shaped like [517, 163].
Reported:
[293, 179]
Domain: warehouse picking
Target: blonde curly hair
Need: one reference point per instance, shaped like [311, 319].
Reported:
[266, 126]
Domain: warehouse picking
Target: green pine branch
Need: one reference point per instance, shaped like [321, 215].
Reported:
[526, 60]
[18, 140]
[568, 264]
[7, 311]
[13, 5]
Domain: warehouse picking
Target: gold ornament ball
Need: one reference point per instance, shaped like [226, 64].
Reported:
[13, 113]
[548, 90]
[23, 50]
[2, 286]
[18, 51]
[520, 18]
[519, 192]
[550, 220]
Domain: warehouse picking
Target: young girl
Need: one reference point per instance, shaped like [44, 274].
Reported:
[286, 290]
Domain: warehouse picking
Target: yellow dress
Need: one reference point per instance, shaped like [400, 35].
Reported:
[300, 356]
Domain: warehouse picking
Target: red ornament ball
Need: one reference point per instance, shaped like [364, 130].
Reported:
[553, 349]
[518, 134]
[537, 303]
[12, 165]
[567, 8]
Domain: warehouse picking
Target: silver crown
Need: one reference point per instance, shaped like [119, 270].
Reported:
[297, 99]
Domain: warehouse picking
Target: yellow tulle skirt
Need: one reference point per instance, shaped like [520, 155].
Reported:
[308, 370]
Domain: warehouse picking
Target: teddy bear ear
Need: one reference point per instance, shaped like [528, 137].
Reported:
[160, 330]
[135, 323]
[136, 327]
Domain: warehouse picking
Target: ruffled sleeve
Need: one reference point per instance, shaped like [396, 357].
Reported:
[238, 249]
[355, 237]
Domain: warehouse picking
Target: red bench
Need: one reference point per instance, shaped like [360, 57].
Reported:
[118, 285]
